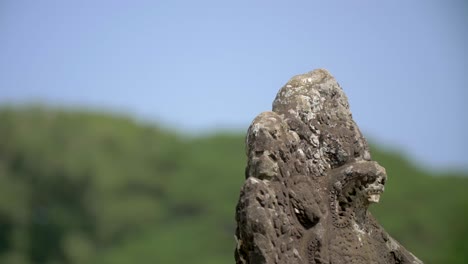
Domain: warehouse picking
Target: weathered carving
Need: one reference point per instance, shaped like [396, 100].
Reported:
[309, 182]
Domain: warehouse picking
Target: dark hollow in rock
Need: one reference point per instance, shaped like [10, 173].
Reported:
[309, 182]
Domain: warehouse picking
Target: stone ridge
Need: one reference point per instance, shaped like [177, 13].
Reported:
[309, 182]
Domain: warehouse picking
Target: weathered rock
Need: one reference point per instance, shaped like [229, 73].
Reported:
[309, 182]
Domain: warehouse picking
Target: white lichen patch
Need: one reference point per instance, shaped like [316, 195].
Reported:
[255, 128]
[294, 135]
[374, 198]
[252, 180]
[359, 232]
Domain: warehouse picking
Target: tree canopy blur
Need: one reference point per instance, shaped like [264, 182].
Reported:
[80, 187]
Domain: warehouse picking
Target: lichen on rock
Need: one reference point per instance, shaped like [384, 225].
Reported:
[309, 182]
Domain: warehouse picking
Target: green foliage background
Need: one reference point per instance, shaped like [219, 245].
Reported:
[80, 187]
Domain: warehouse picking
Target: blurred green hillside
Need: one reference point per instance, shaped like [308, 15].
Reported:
[80, 187]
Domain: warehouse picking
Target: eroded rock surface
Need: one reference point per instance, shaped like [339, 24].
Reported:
[309, 182]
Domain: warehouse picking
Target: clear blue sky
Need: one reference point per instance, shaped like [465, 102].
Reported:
[203, 65]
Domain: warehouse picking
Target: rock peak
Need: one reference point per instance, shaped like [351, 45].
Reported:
[315, 76]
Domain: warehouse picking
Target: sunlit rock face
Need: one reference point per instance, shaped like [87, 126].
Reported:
[309, 182]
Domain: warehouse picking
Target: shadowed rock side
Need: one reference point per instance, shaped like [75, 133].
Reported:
[309, 182]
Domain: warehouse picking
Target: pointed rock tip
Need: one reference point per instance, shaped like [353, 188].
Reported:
[312, 77]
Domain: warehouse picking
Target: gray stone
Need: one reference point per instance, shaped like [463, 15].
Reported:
[309, 182]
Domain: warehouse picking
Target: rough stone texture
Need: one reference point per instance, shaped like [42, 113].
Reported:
[309, 182]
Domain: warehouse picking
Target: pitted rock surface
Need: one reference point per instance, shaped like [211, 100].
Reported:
[309, 182]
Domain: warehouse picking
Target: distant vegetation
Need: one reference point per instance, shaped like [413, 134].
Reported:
[78, 187]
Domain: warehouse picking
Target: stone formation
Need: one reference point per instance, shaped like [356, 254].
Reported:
[309, 182]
